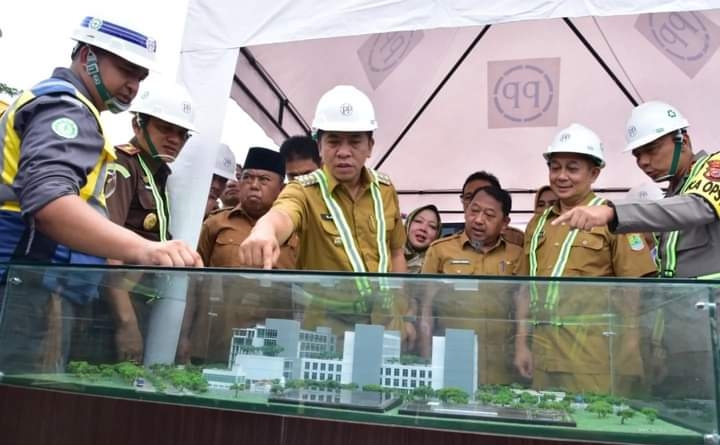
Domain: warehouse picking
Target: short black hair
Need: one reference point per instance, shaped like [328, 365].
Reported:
[484, 176]
[300, 147]
[500, 195]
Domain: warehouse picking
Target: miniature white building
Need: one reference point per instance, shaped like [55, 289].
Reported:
[304, 354]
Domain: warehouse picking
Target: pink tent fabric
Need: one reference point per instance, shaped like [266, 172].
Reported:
[452, 101]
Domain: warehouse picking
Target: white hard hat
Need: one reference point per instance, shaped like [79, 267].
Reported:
[344, 108]
[577, 139]
[647, 191]
[650, 121]
[168, 101]
[225, 163]
[124, 42]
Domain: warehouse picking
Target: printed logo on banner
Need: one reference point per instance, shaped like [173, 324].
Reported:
[382, 53]
[523, 93]
[688, 39]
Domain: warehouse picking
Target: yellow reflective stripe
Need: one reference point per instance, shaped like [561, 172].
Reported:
[159, 203]
[12, 206]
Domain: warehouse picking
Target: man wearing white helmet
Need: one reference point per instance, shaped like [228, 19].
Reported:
[346, 215]
[567, 343]
[689, 245]
[224, 170]
[54, 160]
[136, 195]
[688, 223]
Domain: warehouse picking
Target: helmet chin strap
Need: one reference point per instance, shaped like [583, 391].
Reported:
[153, 150]
[112, 103]
[678, 140]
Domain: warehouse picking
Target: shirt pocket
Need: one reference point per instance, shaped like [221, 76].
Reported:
[227, 247]
[389, 224]
[146, 198]
[589, 255]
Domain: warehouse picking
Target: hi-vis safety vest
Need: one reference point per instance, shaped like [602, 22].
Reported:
[76, 286]
[92, 191]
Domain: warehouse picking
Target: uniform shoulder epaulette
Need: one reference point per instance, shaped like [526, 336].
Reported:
[383, 178]
[445, 239]
[128, 149]
[307, 180]
[220, 210]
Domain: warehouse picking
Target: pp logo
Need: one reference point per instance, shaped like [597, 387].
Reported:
[523, 93]
[187, 108]
[632, 132]
[346, 109]
[382, 53]
[151, 45]
[564, 137]
[688, 39]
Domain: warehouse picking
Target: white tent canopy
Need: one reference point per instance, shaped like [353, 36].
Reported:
[459, 86]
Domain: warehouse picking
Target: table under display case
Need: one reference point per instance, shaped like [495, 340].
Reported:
[231, 356]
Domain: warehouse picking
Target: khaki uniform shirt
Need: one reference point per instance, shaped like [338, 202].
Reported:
[320, 244]
[587, 311]
[487, 310]
[132, 203]
[224, 231]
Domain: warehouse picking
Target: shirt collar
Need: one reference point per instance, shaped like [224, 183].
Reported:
[556, 208]
[68, 75]
[365, 178]
[466, 242]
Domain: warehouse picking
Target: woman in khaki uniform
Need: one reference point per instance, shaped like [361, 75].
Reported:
[479, 250]
[585, 335]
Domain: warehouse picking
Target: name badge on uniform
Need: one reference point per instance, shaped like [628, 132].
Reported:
[460, 261]
[326, 217]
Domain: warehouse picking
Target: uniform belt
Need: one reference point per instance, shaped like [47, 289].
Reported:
[7, 194]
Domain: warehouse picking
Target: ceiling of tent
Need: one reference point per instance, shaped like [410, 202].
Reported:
[453, 101]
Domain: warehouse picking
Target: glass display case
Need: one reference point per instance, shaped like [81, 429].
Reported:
[621, 361]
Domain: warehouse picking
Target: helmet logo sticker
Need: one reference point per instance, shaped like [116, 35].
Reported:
[346, 109]
[632, 132]
[186, 107]
[565, 137]
[95, 24]
[671, 113]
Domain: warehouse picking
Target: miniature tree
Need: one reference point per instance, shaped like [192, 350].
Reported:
[351, 386]
[452, 395]
[295, 384]
[372, 387]
[276, 388]
[601, 408]
[503, 398]
[485, 397]
[527, 398]
[650, 414]
[422, 392]
[625, 414]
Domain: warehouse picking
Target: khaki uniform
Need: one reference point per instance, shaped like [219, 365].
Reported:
[571, 348]
[132, 203]
[339, 305]
[227, 302]
[488, 311]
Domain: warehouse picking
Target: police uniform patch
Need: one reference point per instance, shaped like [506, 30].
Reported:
[150, 221]
[636, 242]
[65, 128]
[712, 171]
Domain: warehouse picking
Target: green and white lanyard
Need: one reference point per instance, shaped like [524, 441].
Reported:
[562, 259]
[667, 265]
[351, 249]
[163, 205]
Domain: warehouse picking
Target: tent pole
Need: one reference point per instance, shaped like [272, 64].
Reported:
[435, 92]
[600, 60]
